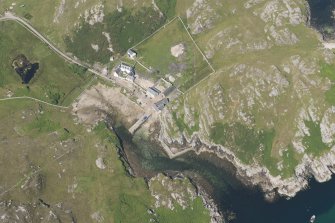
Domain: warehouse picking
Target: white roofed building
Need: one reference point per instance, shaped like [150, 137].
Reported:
[131, 53]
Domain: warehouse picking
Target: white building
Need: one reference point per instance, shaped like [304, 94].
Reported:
[125, 71]
[125, 68]
[131, 54]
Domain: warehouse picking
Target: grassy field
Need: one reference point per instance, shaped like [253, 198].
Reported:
[313, 142]
[167, 7]
[184, 215]
[155, 53]
[57, 22]
[47, 140]
[111, 192]
[328, 71]
[56, 81]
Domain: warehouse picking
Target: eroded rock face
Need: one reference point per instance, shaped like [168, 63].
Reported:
[59, 11]
[37, 212]
[95, 14]
[274, 24]
[170, 192]
[281, 12]
[202, 16]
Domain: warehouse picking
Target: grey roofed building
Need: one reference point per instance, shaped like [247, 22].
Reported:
[131, 53]
[127, 69]
[169, 90]
[153, 92]
[158, 106]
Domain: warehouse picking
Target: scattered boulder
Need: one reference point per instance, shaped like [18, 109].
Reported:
[178, 50]
[100, 163]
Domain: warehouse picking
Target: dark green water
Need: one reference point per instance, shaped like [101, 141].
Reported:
[322, 17]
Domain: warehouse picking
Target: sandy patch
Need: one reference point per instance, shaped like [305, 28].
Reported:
[95, 102]
[329, 45]
[178, 50]
[144, 82]
[100, 163]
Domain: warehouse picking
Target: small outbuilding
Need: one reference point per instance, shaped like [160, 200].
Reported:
[132, 54]
[160, 105]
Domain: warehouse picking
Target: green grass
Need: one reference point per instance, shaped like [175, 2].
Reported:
[193, 214]
[126, 28]
[80, 43]
[328, 71]
[167, 7]
[53, 82]
[251, 146]
[330, 95]
[155, 53]
[41, 14]
[313, 143]
[36, 136]
[291, 160]
[42, 124]
[246, 142]
[111, 191]
[183, 126]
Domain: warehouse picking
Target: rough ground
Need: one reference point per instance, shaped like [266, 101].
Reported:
[266, 104]
[94, 103]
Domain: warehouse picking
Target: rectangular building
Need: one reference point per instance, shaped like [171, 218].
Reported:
[153, 92]
[158, 106]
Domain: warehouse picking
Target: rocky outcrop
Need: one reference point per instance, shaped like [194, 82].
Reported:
[202, 16]
[95, 14]
[320, 168]
[179, 190]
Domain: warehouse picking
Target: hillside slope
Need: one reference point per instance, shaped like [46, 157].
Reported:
[269, 103]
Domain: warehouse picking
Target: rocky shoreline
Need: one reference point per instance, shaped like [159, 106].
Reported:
[210, 205]
[321, 168]
[215, 213]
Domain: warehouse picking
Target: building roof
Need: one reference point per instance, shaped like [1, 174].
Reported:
[132, 53]
[169, 90]
[153, 91]
[127, 68]
[161, 104]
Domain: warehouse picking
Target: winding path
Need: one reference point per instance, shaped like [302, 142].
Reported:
[34, 99]
[9, 16]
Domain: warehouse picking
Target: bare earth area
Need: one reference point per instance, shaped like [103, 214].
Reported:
[96, 101]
